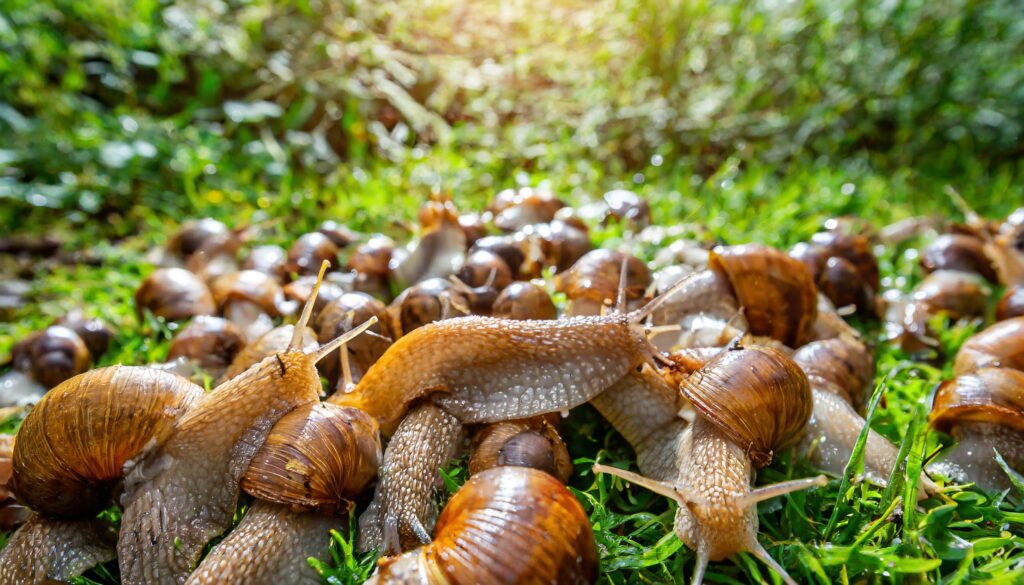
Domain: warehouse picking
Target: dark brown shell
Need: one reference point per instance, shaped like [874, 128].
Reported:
[298, 291]
[513, 211]
[839, 365]
[842, 284]
[1001, 345]
[627, 206]
[477, 269]
[776, 291]
[856, 249]
[207, 234]
[373, 256]
[1011, 305]
[559, 244]
[269, 259]
[56, 354]
[339, 317]
[990, 395]
[507, 526]
[317, 457]
[72, 447]
[958, 294]
[959, 252]
[596, 275]
[251, 286]
[339, 234]
[532, 442]
[756, 395]
[96, 334]
[425, 303]
[309, 251]
[211, 342]
[524, 300]
[473, 227]
[506, 247]
[174, 294]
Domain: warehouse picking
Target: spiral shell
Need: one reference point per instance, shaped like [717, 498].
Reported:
[507, 525]
[1001, 344]
[756, 395]
[514, 210]
[271, 342]
[524, 300]
[532, 442]
[990, 395]
[249, 286]
[72, 447]
[426, 302]
[96, 334]
[479, 267]
[211, 342]
[52, 355]
[174, 294]
[338, 233]
[505, 247]
[207, 235]
[956, 293]
[776, 291]
[1011, 305]
[339, 317]
[315, 458]
[373, 256]
[268, 259]
[627, 206]
[855, 249]
[558, 243]
[596, 275]
[839, 365]
[959, 252]
[309, 251]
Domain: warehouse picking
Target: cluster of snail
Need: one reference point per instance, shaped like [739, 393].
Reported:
[708, 362]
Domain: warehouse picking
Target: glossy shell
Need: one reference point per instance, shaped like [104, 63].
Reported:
[317, 457]
[518, 209]
[479, 267]
[855, 249]
[269, 259]
[506, 247]
[756, 395]
[250, 286]
[1001, 344]
[205, 234]
[989, 395]
[524, 300]
[1011, 305]
[72, 447]
[211, 342]
[426, 302]
[309, 251]
[339, 234]
[56, 354]
[96, 334]
[373, 256]
[533, 442]
[776, 291]
[174, 294]
[842, 284]
[271, 342]
[507, 525]
[838, 365]
[339, 317]
[958, 294]
[596, 276]
[627, 206]
[958, 252]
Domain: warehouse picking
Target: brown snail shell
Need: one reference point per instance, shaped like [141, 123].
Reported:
[316, 457]
[596, 277]
[309, 251]
[212, 342]
[505, 247]
[988, 395]
[52, 355]
[524, 300]
[514, 210]
[373, 256]
[560, 245]
[856, 249]
[1000, 345]
[250, 286]
[506, 525]
[627, 206]
[532, 442]
[842, 284]
[174, 294]
[776, 292]
[207, 235]
[94, 332]
[338, 233]
[298, 290]
[840, 365]
[473, 226]
[756, 395]
[339, 317]
[958, 294]
[429, 301]
[959, 252]
[72, 447]
[478, 268]
[1011, 305]
[268, 259]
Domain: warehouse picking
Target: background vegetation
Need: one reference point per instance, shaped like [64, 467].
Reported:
[759, 119]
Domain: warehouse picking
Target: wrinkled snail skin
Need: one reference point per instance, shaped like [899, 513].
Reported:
[532, 442]
[482, 369]
[1001, 344]
[72, 447]
[315, 458]
[984, 411]
[642, 407]
[44, 550]
[403, 511]
[184, 493]
[505, 526]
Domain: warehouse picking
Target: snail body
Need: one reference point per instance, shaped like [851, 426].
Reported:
[506, 525]
[46, 550]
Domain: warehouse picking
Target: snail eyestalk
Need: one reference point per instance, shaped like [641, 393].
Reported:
[338, 342]
[656, 303]
[307, 311]
[779, 489]
[663, 488]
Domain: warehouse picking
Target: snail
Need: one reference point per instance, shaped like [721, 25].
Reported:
[557, 244]
[1011, 304]
[532, 442]
[207, 343]
[595, 279]
[1001, 344]
[626, 206]
[96, 334]
[339, 317]
[984, 411]
[47, 550]
[297, 291]
[174, 294]
[205, 235]
[505, 247]
[479, 370]
[478, 268]
[776, 293]
[524, 300]
[182, 493]
[52, 355]
[314, 460]
[274, 341]
[251, 300]
[429, 301]
[506, 525]
[749, 403]
[843, 268]
[270, 260]
[514, 210]
[309, 251]
[338, 233]
[370, 262]
[438, 253]
[473, 226]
